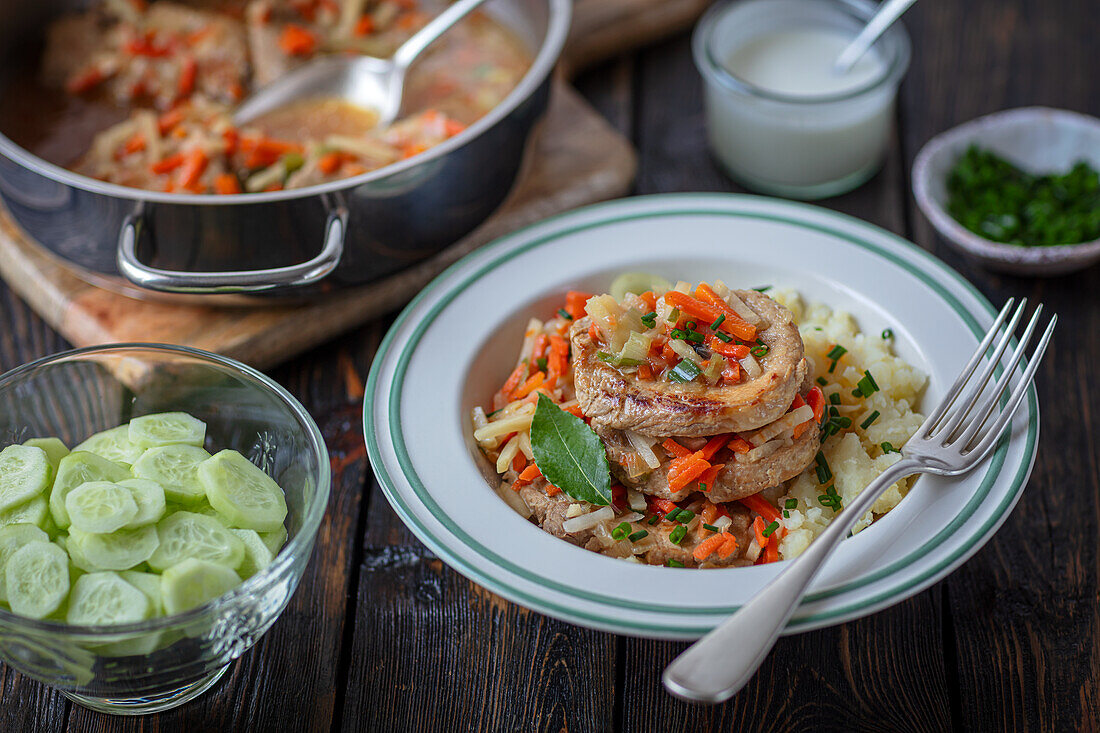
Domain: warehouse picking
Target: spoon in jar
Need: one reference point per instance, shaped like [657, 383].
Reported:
[887, 13]
[365, 81]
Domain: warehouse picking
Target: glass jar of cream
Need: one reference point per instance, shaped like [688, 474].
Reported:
[779, 119]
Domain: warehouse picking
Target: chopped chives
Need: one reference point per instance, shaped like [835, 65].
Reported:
[759, 351]
[770, 529]
[870, 419]
[674, 563]
[824, 473]
[763, 288]
[694, 336]
[822, 381]
[843, 422]
[717, 322]
[888, 334]
[866, 386]
[678, 333]
[791, 503]
[711, 527]
[725, 337]
[638, 535]
[495, 412]
[691, 325]
[649, 320]
[564, 314]
[621, 531]
[684, 516]
[676, 536]
[830, 499]
[834, 398]
[888, 447]
[541, 363]
[703, 486]
[836, 352]
[671, 516]
[654, 519]
[786, 514]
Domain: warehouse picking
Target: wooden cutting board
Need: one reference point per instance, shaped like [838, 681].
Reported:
[577, 158]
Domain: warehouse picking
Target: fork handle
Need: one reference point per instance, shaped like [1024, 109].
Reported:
[719, 664]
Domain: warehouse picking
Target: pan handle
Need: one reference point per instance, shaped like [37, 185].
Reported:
[242, 281]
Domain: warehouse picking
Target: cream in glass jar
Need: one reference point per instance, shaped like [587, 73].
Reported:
[779, 119]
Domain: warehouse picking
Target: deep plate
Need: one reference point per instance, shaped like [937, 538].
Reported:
[457, 341]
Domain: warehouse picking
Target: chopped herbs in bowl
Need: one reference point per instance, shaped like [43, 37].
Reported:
[997, 200]
[1017, 191]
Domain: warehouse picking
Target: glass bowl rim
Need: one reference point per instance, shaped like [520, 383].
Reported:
[311, 521]
[712, 70]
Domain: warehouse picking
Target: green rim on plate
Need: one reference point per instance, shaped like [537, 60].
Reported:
[613, 603]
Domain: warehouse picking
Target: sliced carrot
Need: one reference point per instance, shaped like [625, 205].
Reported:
[761, 506]
[169, 119]
[758, 528]
[693, 468]
[526, 476]
[662, 506]
[193, 167]
[715, 444]
[708, 313]
[452, 127]
[668, 352]
[576, 411]
[514, 379]
[297, 41]
[738, 326]
[575, 302]
[557, 363]
[85, 80]
[188, 73]
[729, 546]
[532, 383]
[733, 351]
[708, 546]
[167, 165]
[815, 398]
[364, 26]
[771, 552]
[594, 333]
[738, 444]
[645, 372]
[329, 163]
[232, 139]
[552, 490]
[542, 341]
[675, 448]
[519, 462]
[650, 299]
[227, 184]
[731, 373]
[135, 144]
[709, 476]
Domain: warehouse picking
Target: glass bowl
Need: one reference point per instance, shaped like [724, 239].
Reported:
[161, 663]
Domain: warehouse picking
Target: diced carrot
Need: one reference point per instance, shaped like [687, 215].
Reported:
[519, 462]
[330, 163]
[668, 352]
[364, 26]
[167, 165]
[170, 119]
[761, 506]
[575, 410]
[708, 313]
[709, 476]
[661, 506]
[731, 373]
[513, 379]
[232, 139]
[733, 351]
[542, 341]
[758, 528]
[771, 552]
[227, 184]
[650, 299]
[263, 152]
[708, 546]
[675, 448]
[193, 167]
[682, 474]
[188, 73]
[85, 80]
[575, 303]
[297, 41]
[734, 323]
[739, 445]
[715, 444]
[274, 187]
[533, 382]
[645, 372]
[729, 546]
[594, 333]
[815, 398]
[135, 144]
[526, 476]
[552, 490]
[452, 127]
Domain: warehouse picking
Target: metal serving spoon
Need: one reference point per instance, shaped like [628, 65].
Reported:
[365, 81]
[887, 13]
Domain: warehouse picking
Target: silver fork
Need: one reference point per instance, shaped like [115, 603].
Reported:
[951, 441]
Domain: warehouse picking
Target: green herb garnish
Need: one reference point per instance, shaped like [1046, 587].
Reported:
[888, 447]
[870, 420]
[641, 533]
[717, 322]
[684, 372]
[649, 320]
[711, 528]
[674, 563]
[564, 314]
[621, 531]
[770, 529]
[676, 536]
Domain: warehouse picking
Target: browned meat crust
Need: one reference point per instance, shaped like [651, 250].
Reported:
[664, 409]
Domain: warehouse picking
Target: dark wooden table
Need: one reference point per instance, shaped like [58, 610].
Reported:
[383, 636]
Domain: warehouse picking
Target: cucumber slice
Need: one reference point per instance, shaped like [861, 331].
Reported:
[256, 554]
[33, 512]
[186, 534]
[113, 444]
[193, 582]
[120, 550]
[80, 467]
[36, 579]
[100, 507]
[25, 473]
[55, 449]
[149, 497]
[12, 537]
[174, 468]
[167, 428]
[105, 599]
[274, 539]
[149, 584]
[242, 493]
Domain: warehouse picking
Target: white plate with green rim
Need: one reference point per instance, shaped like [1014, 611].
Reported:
[456, 342]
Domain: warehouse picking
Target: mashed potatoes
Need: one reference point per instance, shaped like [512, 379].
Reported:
[855, 455]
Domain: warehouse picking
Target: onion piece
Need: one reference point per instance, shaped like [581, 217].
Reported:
[588, 521]
[479, 418]
[503, 427]
[751, 366]
[504, 460]
[631, 517]
[681, 347]
[761, 451]
[788, 422]
[742, 309]
[722, 522]
[636, 500]
[514, 500]
[644, 447]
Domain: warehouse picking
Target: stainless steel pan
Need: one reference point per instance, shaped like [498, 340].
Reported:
[299, 242]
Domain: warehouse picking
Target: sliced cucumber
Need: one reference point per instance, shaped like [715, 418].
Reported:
[25, 473]
[149, 497]
[174, 468]
[55, 449]
[242, 493]
[167, 428]
[36, 579]
[33, 512]
[149, 584]
[274, 539]
[105, 599]
[100, 507]
[114, 445]
[123, 549]
[186, 534]
[80, 467]
[12, 537]
[257, 556]
[193, 582]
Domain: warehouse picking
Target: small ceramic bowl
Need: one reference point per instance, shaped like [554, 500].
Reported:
[1038, 140]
